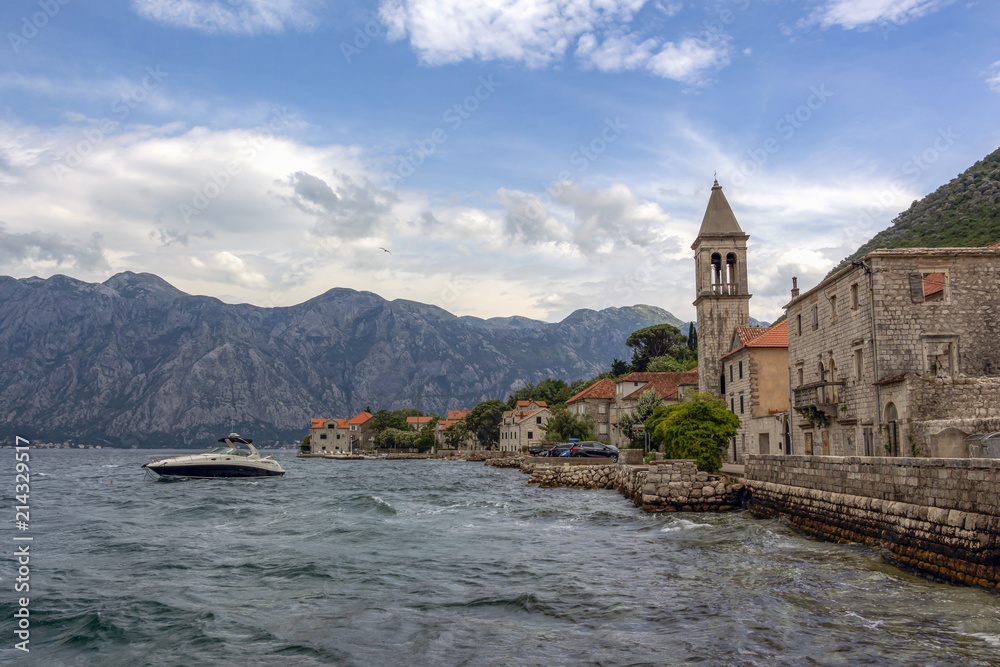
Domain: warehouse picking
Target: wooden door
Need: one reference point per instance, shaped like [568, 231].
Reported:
[764, 439]
[826, 442]
[809, 444]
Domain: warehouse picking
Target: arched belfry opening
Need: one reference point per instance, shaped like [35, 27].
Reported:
[731, 276]
[716, 273]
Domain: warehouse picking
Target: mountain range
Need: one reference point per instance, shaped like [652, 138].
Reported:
[135, 361]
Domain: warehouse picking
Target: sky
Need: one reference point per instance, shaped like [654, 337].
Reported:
[491, 157]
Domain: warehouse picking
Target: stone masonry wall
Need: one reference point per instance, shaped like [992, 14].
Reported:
[664, 486]
[938, 515]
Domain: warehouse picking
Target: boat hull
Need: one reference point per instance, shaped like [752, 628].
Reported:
[205, 471]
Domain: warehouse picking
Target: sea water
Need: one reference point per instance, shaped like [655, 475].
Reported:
[443, 563]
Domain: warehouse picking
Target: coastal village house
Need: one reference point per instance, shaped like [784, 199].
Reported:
[524, 426]
[756, 389]
[669, 388]
[328, 436]
[897, 354]
[453, 417]
[595, 402]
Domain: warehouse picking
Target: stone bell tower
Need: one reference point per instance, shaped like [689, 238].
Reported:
[723, 300]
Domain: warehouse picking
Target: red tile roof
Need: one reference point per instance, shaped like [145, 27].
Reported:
[602, 389]
[933, 284]
[418, 420]
[747, 333]
[775, 335]
[994, 245]
[360, 418]
[321, 423]
[458, 415]
[664, 384]
[523, 404]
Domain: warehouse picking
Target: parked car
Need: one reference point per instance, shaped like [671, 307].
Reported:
[559, 450]
[594, 449]
[538, 450]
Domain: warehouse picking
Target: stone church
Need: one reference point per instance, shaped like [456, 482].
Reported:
[747, 366]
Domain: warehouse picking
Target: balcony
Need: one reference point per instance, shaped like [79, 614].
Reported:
[819, 395]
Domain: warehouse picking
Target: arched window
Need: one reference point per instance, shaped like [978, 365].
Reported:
[731, 278]
[716, 273]
[822, 387]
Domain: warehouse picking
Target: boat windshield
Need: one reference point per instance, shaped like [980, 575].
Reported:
[230, 451]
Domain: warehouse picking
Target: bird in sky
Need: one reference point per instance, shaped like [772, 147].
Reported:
[381, 248]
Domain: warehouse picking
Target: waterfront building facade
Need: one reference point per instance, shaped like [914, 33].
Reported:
[596, 403]
[897, 354]
[524, 426]
[756, 389]
[669, 388]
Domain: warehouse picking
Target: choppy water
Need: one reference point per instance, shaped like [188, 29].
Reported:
[437, 563]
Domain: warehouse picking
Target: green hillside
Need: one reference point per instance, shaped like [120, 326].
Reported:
[963, 213]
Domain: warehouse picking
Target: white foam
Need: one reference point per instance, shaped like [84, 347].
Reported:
[683, 524]
[992, 640]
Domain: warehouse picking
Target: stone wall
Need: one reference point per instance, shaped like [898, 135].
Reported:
[938, 515]
[664, 486]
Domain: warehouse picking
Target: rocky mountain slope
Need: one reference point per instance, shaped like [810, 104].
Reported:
[134, 361]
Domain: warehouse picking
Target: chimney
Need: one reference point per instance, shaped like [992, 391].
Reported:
[795, 287]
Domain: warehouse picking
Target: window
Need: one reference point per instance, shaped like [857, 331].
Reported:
[322, 436]
[741, 403]
[538, 420]
[730, 372]
[815, 314]
[869, 439]
[530, 435]
[854, 296]
[800, 376]
[732, 405]
[858, 363]
[798, 324]
[741, 370]
[928, 286]
[603, 429]
[833, 308]
[602, 409]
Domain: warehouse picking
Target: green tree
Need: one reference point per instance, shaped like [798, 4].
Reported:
[564, 425]
[654, 341]
[692, 338]
[425, 440]
[551, 390]
[484, 422]
[383, 419]
[698, 429]
[456, 435]
[644, 408]
[395, 438]
[620, 368]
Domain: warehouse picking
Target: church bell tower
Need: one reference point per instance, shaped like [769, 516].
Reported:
[723, 300]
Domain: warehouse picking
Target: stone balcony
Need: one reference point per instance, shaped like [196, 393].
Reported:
[819, 395]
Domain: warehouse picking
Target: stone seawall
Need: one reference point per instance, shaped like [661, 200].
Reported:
[941, 516]
[665, 486]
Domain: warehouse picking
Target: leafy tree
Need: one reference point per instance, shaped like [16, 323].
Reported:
[698, 429]
[551, 390]
[484, 422]
[644, 407]
[394, 438]
[655, 341]
[383, 419]
[564, 425]
[665, 364]
[456, 434]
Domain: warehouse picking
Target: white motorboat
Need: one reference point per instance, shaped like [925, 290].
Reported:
[236, 458]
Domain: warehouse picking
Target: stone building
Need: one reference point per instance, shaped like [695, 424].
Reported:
[756, 389]
[328, 436]
[596, 403]
[897, 354]
[524, 426]
[669, 389]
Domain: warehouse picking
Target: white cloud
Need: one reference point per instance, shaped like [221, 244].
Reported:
[688, 59]
[248, 17]
[852, 14]
[535, 33]
[993, 76]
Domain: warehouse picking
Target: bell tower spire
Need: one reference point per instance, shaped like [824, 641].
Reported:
[722, 298]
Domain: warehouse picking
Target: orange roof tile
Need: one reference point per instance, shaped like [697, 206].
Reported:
[664, 384]
[933, 283]
[775, 335]
[602, 389]
[747, 333]
[540, 404]
[458, 414]
[418, 420]
[994, 245]
[317, 423]
[360, 418]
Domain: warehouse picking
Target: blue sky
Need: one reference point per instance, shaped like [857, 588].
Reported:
[513, 157]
